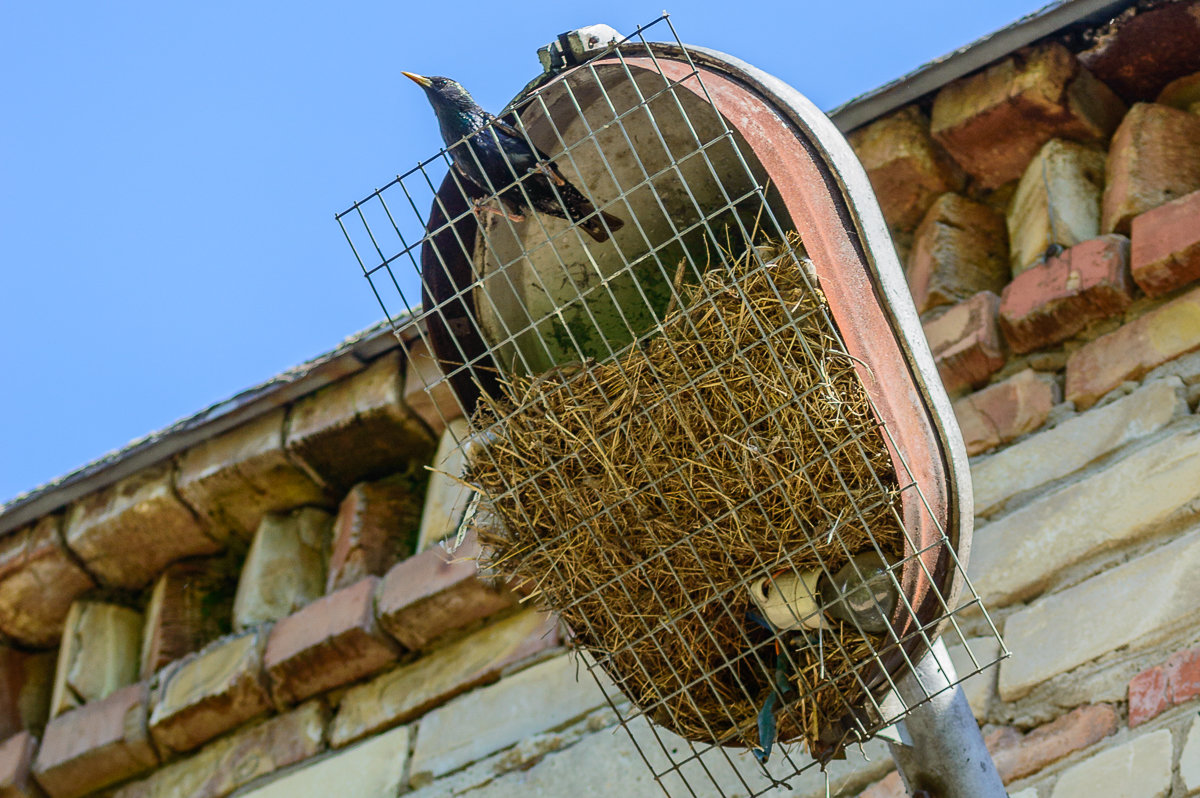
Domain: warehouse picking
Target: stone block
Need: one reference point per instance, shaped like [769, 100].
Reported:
[26, 682]
[1141, 53]
[329, 643]
[285, 567]
[907, 168]
[30, 559]
[1166, 246]
[966, 342]
[1154, 158]
[447, 498]
[98, 655]
[409, 691]
[968, 657]
[374, 769]
[427, 391]
[96, 745]
[608, 763]
[1181, 93]
[16, 764]
[1132, 350]
[189, 607]
[1140, 768]
[209, 693]
[537, 699]
[359, 428]
[129, 532]
[236, 477]
[435, 592]
[959, 250]
[1055, 453]
[230, 762]
[1051, 302]
[1017, 556]
[1148, 695]
[1189, 759]
[376, 527]
[1006, 410]
[1057, 202]
[1050, 742]
[994, 121]
[1097, 615]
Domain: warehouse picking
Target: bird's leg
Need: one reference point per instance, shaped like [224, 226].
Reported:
[545, 168]
[482, 206]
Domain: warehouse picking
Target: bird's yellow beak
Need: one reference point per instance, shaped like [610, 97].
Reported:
[420, 80]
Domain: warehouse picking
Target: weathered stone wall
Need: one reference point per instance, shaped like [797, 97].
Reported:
[270, 613]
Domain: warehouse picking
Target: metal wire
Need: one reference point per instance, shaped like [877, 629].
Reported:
[537, 296]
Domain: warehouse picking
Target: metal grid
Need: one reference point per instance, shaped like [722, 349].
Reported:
[537, 295]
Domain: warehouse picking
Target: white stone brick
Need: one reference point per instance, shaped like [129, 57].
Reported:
[1131, 605]
[980, 687]
[445, 499]
[373, 769]
[1074, 443]
[1017, 556]
[534, 700]
[1141, 768]
[607, 763]
[1189, 759]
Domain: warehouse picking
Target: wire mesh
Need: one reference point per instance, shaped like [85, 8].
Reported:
[700, 295]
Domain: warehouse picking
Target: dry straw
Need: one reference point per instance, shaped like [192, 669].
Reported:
[640, 496]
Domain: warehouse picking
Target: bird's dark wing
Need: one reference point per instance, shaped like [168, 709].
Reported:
[511, 131]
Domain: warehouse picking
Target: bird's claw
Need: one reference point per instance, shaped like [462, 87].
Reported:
[545, 168]
[481, 206]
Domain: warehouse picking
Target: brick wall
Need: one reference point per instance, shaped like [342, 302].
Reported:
[270, 612]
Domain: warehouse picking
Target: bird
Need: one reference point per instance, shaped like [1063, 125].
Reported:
[497, 155]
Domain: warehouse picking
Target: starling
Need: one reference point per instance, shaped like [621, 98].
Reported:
[495, 155]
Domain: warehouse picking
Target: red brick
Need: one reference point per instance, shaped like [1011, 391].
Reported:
[427, 391]
[16, 763]
[1183, 675]
[1078, 729]
[1004, 411]
[1154, 158]
[375, 528]
[993, 121]
[1147, 695]
[96, 745]
[209, 693]
[359, 428]
[1134, 349]
[188, 608]
[889, 786]
[329, 643]
[25, 683]
[907, 168]
[1166, 245]
[1141, 53]
[966, 342]
[959, 250]
[426, 596]
[127, 533]
[1053, 301]
[30, 559]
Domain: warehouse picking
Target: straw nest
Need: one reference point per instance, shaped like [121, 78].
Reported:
[641, 495]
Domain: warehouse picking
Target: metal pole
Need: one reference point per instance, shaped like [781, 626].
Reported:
[944, 755]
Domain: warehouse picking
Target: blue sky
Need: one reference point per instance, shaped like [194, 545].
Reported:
[170, 172]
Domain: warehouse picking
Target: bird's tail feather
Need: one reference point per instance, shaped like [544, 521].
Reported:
[594, 227]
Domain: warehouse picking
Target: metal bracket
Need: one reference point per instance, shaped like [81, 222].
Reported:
[576, 46]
